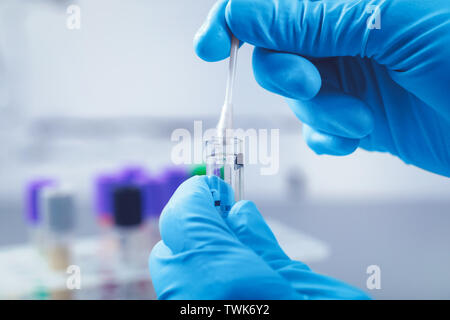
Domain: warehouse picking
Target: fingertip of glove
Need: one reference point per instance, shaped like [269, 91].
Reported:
[286, 74]
[335, 113]
[243, 215]
[211, 45]
[160, 249]
[212, 42]
[243, 207]
[327, 144]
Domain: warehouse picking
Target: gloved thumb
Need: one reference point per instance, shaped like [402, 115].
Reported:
[190, 220]
[251, 229]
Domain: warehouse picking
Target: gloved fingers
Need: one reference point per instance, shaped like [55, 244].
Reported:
[335, 113]
[190, 220]
[215, 273]
[323, 143]
[314, 286]
[330, 110]
[212, 42]
[251, 229]
[286, 74]
[312, 28]
[249, 226]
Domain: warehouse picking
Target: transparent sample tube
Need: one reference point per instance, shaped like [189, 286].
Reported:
[225, 159]
[59, 220]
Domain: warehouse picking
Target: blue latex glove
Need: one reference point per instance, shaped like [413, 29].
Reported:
[203, 255]
[382, 89]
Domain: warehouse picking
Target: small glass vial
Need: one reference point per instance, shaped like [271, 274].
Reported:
[58, 210]
[225, 159]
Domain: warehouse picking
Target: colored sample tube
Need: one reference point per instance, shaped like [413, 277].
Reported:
[198, 170]
[33, 191]
[155, 191]
[58, 212]
[128, 210]
[128, 206]
[33, 212]
[131, 174]
[104, 187]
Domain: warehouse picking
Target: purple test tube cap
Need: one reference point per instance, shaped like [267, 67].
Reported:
[132, 175]
[33, 189]
[104, 187]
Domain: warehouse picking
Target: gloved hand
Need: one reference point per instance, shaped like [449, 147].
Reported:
[352, 86]
[205, 256]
